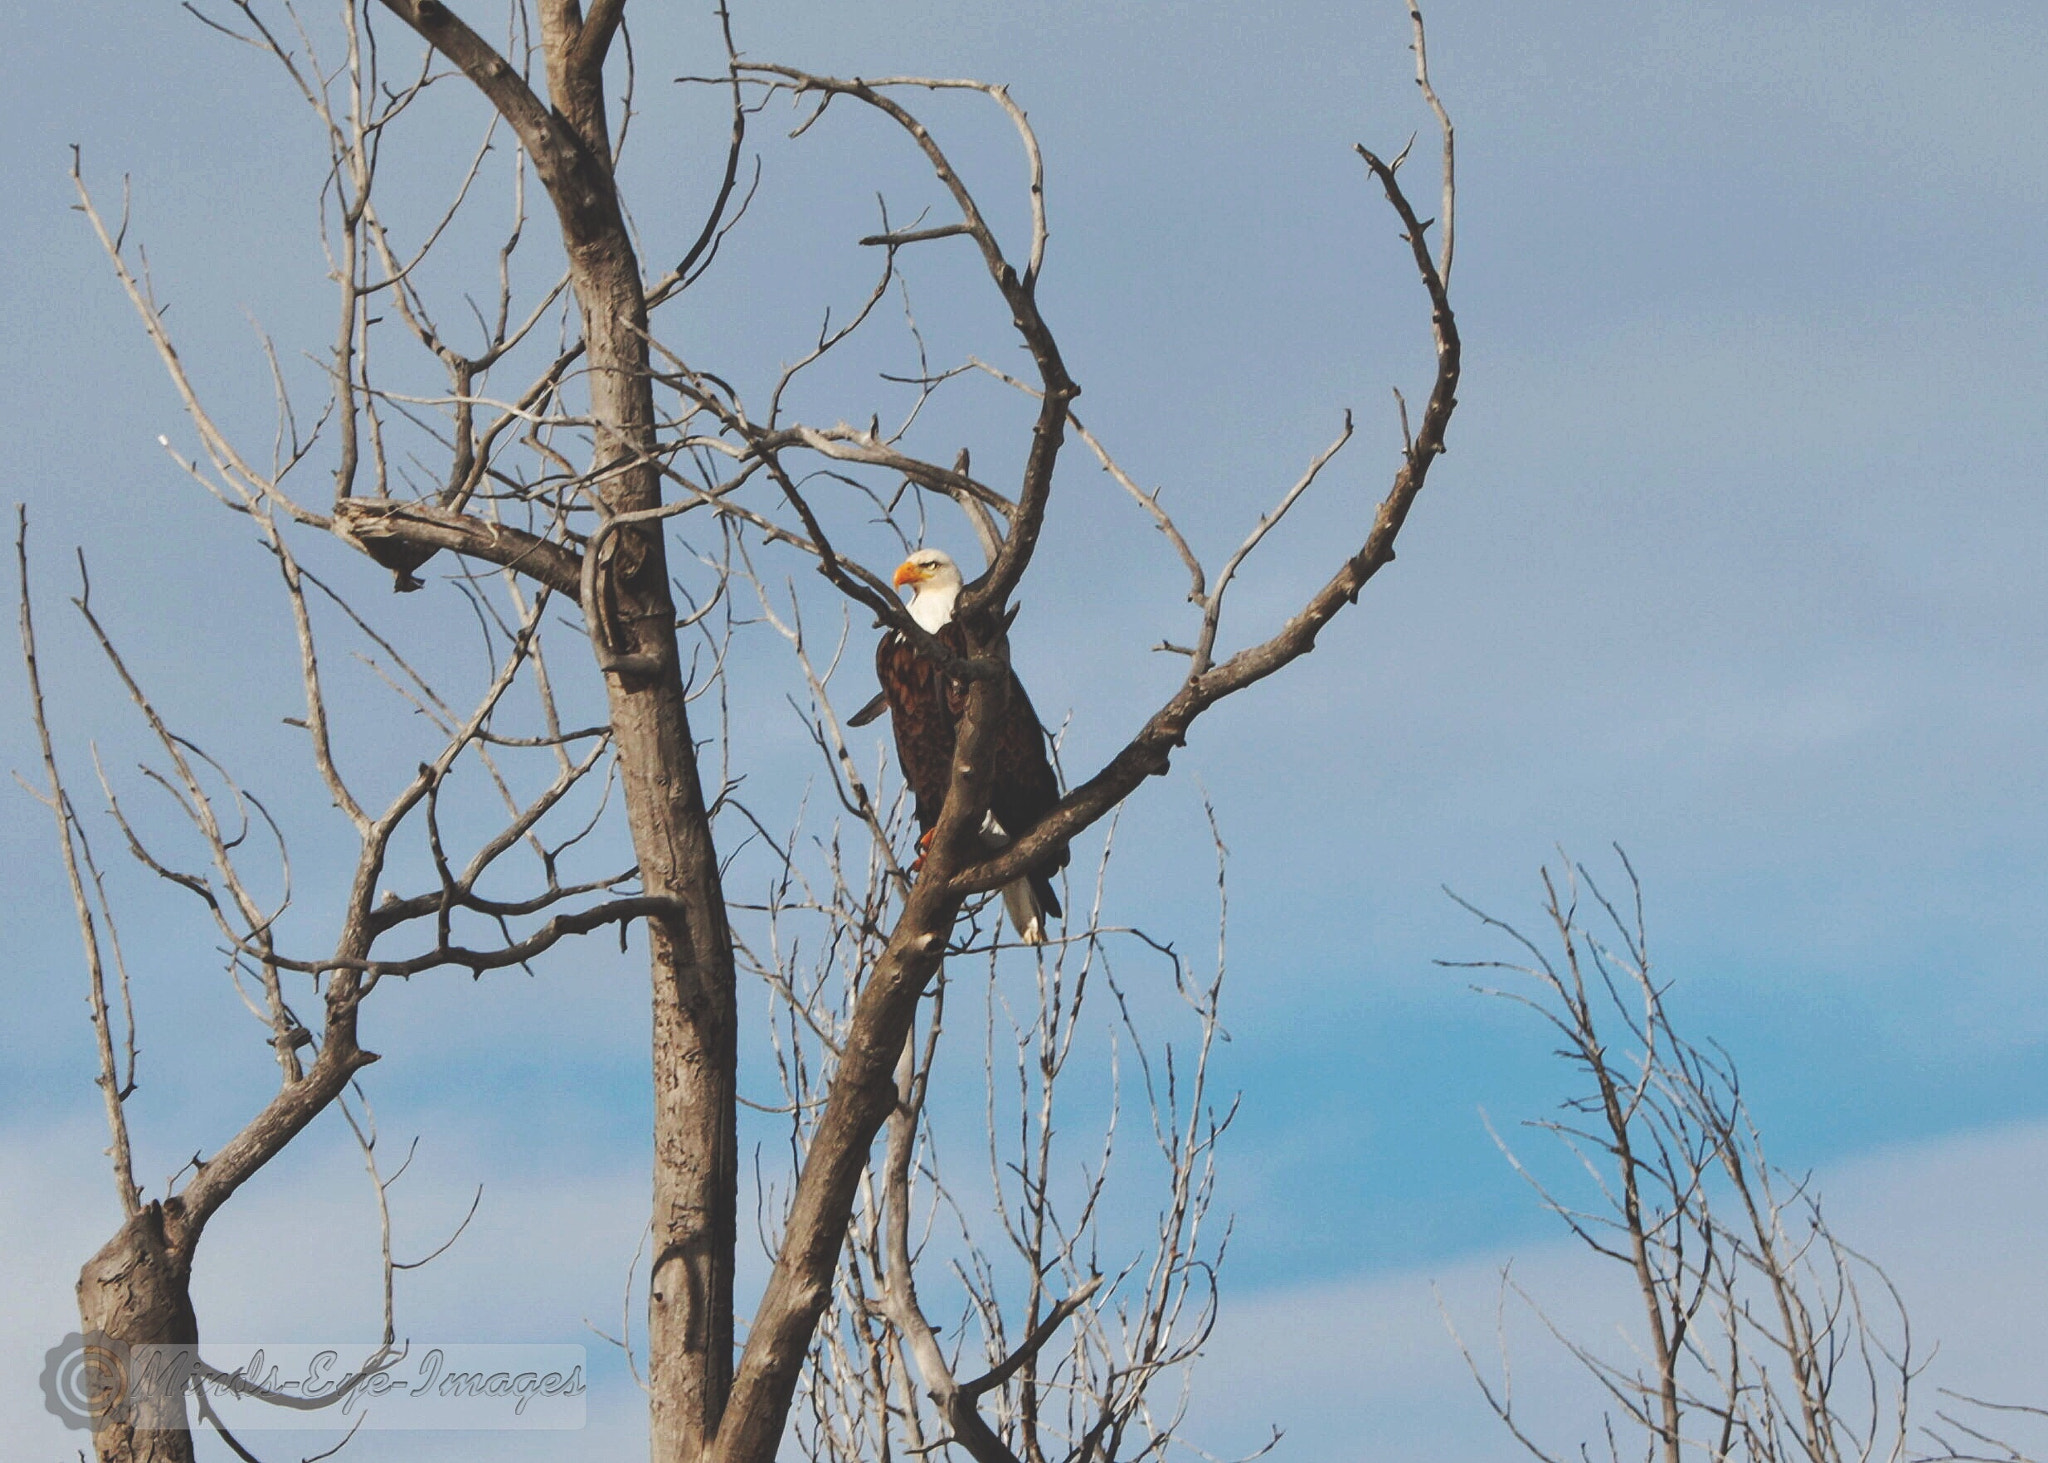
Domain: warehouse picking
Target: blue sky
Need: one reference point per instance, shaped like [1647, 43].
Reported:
[1734, 561]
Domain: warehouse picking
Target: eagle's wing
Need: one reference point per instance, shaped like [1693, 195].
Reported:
[925, 706]
[1026, 788]
[878, 704]
[924, 723]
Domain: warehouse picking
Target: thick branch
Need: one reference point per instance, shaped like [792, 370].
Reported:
[265, 1135]
[616, 911]
[861, 1097]
[366, 521]
[1146, 754]
[542, 134]
[595, 39]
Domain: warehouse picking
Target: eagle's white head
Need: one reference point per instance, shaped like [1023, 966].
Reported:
[935, 584]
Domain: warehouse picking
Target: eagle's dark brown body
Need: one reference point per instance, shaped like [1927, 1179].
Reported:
[925, 707]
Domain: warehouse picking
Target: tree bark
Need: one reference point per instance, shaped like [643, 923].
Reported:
[137, 1290]
[696, 1171]
[860, 1098]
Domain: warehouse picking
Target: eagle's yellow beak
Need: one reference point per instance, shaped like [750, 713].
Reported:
[907, 573]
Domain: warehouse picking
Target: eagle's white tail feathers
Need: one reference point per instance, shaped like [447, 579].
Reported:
[1019, 898]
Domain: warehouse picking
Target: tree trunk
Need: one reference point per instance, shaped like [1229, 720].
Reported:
[137, 1292]
[633, 628]
[696, 1171]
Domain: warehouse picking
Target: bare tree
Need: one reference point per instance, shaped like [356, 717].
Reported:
[1764, 1336]
[136, 1290]
[618, 444]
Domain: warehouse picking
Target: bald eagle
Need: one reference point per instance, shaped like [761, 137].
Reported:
[925, 706]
